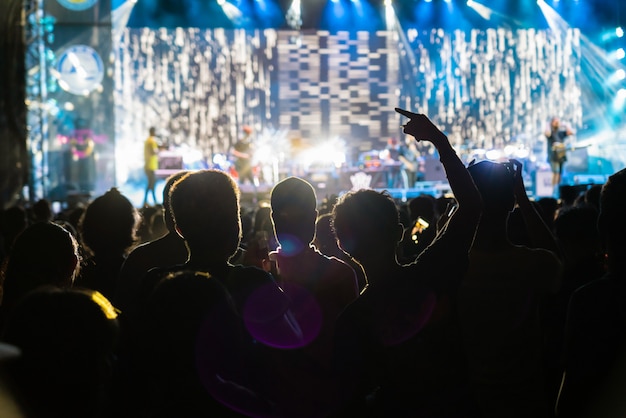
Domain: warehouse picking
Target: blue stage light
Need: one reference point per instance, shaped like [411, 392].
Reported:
[335, 16]
[620, 100]
[268, 13]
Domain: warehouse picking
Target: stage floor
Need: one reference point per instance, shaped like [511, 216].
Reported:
[250, 197]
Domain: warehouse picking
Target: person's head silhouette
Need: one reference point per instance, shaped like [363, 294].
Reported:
[294, 212]
[367, 223]
[109, 224]
[325, 239]
[495, 182]
[43, 254]
[206, 210]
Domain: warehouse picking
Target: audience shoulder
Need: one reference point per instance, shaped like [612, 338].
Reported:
[254, 274]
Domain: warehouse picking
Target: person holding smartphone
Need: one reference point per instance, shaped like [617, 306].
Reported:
[499, 299]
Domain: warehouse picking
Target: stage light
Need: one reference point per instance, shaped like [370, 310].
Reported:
[351, 15]
[611, 34]
[620, 53]
[268, 13]
[294, 15]
[493, 154]
[509, 150]
[232, 12]
[364, 15]
[619, 100]
[522, 153]
[483, 11]
[260, 5]
[620, 74]
[120, 16]
[327, 153]
[391, 20]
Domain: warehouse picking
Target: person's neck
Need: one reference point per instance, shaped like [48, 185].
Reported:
[491, 235]
[305, 249]
[172, 236]
[377, 268]
[206, 261]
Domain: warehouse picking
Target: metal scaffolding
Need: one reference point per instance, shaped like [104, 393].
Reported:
[38, 32]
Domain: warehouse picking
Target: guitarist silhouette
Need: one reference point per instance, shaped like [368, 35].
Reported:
[397, 161]
[557, 153]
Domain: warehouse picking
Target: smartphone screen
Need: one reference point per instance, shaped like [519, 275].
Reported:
[420, 226]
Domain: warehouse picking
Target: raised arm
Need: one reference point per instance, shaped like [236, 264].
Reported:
[469, 209]
[538, 232]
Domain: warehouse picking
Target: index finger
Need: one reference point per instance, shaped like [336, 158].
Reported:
[406, 113]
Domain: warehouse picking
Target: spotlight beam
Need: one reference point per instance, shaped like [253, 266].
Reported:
[231, 11]
[482, 10]
[600, 75]
[294, 15]
[487, 13]
[394, 25]
[120, 16]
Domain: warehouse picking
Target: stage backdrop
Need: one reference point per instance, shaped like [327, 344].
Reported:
[486, 88]
[81, 135]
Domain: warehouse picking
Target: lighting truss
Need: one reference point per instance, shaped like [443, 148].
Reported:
[38, 32]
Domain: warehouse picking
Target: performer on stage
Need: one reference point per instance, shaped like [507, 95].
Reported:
[413, 161]
[151, 164]
[557, 154]
[83, 158]
[243, 151]
[394, 158]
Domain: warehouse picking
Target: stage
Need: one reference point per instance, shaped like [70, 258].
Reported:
[538, 185]
[318, 98]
